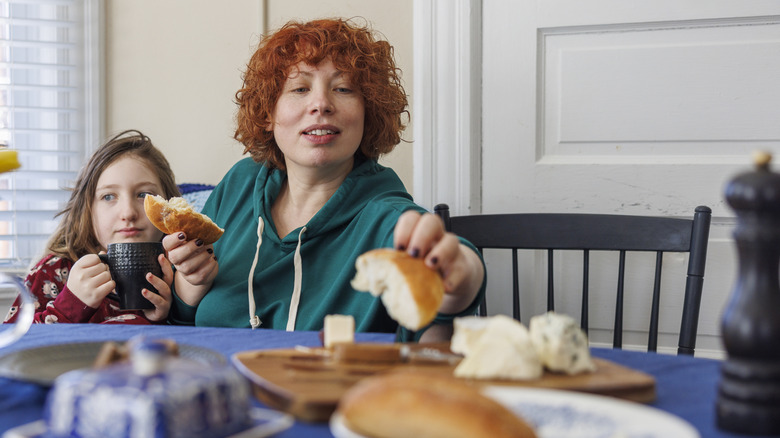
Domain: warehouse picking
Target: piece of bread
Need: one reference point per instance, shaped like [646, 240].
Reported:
[113, 352]
[411, 291]
[419, 404]
[176, 214]
[110, 353]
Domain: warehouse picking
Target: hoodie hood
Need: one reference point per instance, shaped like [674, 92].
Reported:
[368, 181]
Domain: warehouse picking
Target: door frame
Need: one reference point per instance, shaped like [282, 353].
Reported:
[447, 107]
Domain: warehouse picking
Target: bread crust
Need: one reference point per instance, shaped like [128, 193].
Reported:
[419, 404]
[154, 206]
[177, 215]
[424, 284]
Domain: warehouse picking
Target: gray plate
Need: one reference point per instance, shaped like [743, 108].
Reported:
[265, 423]
[42, 365]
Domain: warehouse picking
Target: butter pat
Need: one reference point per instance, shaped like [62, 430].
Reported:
[338, 328]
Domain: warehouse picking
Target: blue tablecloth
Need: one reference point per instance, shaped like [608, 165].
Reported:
[685, 386]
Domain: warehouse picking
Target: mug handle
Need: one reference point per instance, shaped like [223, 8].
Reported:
[26, 311]
[111, 295]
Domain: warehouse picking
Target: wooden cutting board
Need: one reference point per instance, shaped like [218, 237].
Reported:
[309, 383]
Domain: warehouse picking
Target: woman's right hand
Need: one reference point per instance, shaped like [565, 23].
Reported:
[196, 266]
[90, 280]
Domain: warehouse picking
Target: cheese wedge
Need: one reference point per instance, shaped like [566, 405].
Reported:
[498, 347]
[562, 345]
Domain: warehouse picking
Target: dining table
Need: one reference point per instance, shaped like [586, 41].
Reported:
[686, 386]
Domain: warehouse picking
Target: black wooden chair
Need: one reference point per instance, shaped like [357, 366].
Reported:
[598, 232]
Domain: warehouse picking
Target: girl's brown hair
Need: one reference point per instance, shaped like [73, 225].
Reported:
[75, 234]
[354, 50]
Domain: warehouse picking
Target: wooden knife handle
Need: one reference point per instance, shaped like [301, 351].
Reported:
[366, 352]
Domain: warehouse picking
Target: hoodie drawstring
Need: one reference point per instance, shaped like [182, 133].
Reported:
[296, 294]
[254, 320]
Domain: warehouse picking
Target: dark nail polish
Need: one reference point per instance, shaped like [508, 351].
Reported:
[182, 236]
[198, 242]
[401, 248]
[415, 252]
[209, 250]
[435, 261]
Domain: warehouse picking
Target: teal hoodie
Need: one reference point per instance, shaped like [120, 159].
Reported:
[360, 216]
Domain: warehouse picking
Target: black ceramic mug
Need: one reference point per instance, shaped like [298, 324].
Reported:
[128, 263]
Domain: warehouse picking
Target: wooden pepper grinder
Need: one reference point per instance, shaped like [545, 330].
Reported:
[749, 392]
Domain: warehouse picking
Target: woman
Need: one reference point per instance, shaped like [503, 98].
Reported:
[321, 101]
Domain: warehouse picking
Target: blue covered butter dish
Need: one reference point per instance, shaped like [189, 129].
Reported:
[154, 394]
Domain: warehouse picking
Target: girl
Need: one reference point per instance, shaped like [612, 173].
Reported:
[70, 283]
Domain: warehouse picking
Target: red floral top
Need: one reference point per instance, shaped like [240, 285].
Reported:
[54, 303]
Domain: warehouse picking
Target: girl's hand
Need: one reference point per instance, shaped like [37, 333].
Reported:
[90, 280]
[196, 266]
[424, 236]
[162, 302]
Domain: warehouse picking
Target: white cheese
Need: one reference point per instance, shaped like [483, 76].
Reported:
[498, 347]
[338, 328]
[467, 331]
[561, 343]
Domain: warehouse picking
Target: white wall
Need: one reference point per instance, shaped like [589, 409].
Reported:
[173, 67]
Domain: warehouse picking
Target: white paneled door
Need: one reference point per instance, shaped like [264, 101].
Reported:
[632, 108]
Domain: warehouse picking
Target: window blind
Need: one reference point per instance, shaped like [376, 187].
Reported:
[44, 115]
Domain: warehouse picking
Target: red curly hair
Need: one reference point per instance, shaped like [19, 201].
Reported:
[353, 49]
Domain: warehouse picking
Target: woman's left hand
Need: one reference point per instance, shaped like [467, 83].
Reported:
[162, 302]
[424, 236]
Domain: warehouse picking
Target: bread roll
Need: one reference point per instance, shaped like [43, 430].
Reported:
[411, 291]
[426, 405]
[176, 215]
